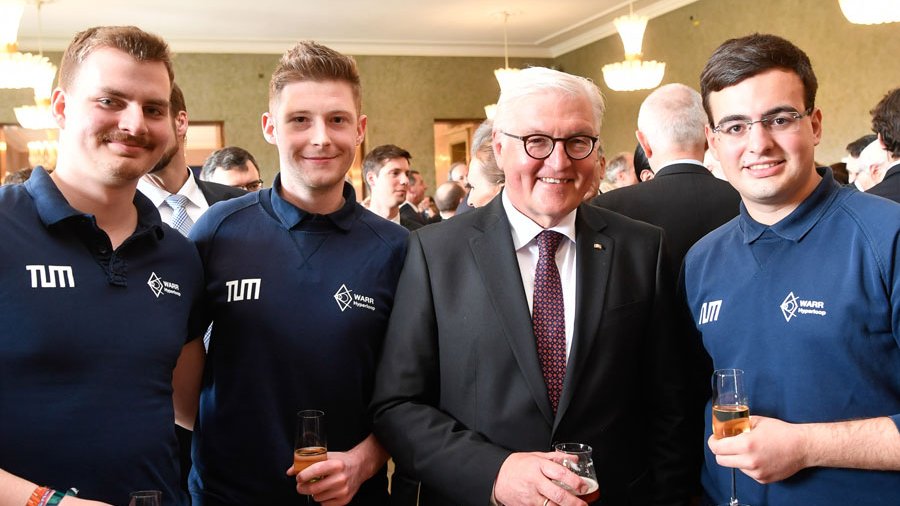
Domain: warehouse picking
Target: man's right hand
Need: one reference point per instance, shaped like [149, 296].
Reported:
[527, 479]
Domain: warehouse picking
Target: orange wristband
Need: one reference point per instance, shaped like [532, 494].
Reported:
[37, 496]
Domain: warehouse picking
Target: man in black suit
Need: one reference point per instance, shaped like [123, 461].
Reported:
[533, 320]
[415, 193]
[171, 176]
[886, 123]
[683, 198]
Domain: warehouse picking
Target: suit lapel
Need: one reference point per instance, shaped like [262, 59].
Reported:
[594, 254]
[495, 257]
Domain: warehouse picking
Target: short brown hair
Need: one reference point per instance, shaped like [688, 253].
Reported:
[140, 45]
[176, 101]
[311, 61]
[739, 59]
[375, 160]
[886, 122]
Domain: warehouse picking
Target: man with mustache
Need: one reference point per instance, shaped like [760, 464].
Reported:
[98, 296]
[300, 282]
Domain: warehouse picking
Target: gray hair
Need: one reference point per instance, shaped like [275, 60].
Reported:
[534, 80]
[617, 165]
[673, 116]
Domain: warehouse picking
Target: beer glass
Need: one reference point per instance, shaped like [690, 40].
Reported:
[730, 412]
[310, 445]
[579, 459]
[146, 498]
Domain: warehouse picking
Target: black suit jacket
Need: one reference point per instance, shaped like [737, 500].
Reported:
[459, 386]
[215, 192]
[889, 187]
[684, 199]
[410, 213]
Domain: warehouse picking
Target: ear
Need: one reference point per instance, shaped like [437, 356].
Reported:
[647, 175]
[268, 128]
[361, 129]
[181, 124]
[642, 140]
[58, 107]
[816, 120]
[711, 141]
[370, 178]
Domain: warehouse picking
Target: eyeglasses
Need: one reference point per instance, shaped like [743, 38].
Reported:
[251, 186]
[540, 146]
[779, 122]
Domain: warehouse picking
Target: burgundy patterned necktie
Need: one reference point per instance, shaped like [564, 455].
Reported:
[548, 315]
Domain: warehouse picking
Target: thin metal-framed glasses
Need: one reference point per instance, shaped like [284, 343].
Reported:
[782, 121]
[540, 146]
[251, 186]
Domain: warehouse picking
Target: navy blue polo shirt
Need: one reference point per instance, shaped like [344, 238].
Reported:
[300, 304]
[809, 308]
[90, 338]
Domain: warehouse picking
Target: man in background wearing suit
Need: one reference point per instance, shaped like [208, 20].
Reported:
[886, 123]
[171, 185]
[683, 198]
[533, 320]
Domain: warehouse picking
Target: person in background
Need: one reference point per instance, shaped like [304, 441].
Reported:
[886, 123]
[17, 177]
[385, 170]
[820, 353]
[485, 177]
[619, 172]
[232, 166]
[853, 151]
[447, 199]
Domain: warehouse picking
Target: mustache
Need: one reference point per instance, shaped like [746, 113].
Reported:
[123, 137]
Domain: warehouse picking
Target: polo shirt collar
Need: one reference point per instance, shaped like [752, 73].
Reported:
[292, 216]
[796, 225]
[53, 208]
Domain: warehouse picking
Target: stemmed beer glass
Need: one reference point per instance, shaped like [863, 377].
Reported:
[730, 412]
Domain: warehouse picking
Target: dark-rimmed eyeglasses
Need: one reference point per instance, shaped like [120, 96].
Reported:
[540, 146]
[251, 186]
[783, 121]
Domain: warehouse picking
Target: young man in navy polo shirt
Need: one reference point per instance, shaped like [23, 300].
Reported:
[301, 323]
[801, 291]
[97, 293]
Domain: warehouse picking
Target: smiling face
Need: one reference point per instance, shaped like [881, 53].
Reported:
[773, 171]
[546, 190]
[114, 118]
[316, 128]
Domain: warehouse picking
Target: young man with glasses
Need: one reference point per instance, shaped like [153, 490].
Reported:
[801, 291]
[232, 166]
[532, 320]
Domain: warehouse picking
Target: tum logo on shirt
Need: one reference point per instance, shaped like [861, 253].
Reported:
[243, 289]
[709, 311]
[51, 276]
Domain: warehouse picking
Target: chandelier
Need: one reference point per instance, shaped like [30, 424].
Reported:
[633, 73]
[871, 12]
[504, 75]
[19, 70]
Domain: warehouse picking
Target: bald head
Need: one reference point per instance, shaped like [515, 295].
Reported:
[670, 125]
[872, 164]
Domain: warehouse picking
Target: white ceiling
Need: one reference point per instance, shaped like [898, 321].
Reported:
[536, 28]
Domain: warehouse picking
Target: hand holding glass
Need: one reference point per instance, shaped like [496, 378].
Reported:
[579, 460]
[730, 411]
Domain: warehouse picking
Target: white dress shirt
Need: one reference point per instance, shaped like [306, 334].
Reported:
[196, 204]
[524, 232]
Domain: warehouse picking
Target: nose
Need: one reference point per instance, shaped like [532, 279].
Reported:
[759, 139]
[132, 120]
[404, 179]
[558, 159]
[319, 134]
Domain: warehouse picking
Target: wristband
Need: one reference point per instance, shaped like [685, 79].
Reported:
[37, 496]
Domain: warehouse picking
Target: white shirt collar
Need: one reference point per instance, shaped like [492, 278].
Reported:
[524, 230]
[158, 195]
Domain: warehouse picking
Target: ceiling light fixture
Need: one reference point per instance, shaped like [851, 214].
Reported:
[871, 12]
[633, 73]
[505, 74]
[38, 116]
[17, 69]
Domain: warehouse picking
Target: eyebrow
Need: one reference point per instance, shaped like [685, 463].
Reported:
[743, 117]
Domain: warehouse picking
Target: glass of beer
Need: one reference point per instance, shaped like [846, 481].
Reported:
[730, 412]
[146, 498]
[310, 446]
[579, 459]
